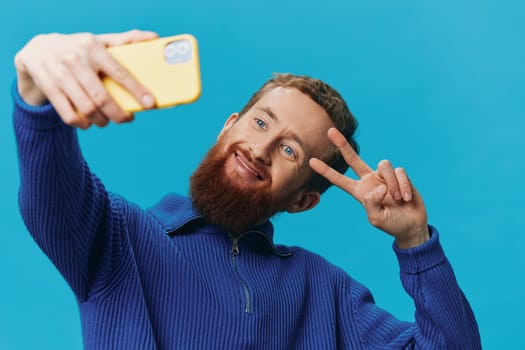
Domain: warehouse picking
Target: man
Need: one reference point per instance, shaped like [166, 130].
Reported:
[204, 273]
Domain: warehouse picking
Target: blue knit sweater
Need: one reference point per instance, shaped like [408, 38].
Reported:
[162, 278]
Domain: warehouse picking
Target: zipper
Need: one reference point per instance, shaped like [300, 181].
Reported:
[235, 253]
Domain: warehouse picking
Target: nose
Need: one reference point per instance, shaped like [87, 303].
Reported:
[261, 153]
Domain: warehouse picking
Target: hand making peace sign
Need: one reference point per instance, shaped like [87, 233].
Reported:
[391, 202]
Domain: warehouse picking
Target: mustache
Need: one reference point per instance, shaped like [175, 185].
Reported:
[256, 165]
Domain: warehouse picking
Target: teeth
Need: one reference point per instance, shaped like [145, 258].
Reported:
[254, 172]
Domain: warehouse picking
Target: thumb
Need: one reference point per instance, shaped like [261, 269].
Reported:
[132, 36]
[372, 202]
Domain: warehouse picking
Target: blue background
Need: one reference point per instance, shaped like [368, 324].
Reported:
[438, 87]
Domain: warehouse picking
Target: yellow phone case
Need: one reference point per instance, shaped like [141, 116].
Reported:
[172, 83]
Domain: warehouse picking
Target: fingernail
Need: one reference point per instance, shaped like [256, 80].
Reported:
[398, 196]
[147, 101]
[407, 196]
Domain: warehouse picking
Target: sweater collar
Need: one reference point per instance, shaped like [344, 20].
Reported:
[176, 212]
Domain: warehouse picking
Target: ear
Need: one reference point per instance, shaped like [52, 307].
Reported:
[228, 124]
[305, 201]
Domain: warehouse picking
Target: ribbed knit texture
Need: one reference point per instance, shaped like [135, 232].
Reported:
[163, 279]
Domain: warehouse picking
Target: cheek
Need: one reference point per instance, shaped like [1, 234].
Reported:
[285, 175]
[230, 139]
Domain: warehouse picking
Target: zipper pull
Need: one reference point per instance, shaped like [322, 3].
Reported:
[235, 247]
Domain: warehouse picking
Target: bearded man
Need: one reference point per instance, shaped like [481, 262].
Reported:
[203, 272]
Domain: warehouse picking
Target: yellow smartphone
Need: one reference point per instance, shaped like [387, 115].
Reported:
[168, 67]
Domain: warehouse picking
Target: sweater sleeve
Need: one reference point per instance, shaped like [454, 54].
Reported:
[64, 206]
[444, 318]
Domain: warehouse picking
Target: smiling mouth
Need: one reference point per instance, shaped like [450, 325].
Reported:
[245, 163]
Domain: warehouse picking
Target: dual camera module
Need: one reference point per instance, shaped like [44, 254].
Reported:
[179, 51]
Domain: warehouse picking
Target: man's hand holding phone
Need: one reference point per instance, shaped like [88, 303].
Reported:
[66, 69]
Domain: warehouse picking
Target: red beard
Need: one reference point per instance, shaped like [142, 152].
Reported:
[227, 204]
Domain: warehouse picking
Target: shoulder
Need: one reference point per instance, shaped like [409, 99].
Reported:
[130, 215]
[173, 211]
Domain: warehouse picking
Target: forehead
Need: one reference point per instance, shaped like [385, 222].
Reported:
[299, 114]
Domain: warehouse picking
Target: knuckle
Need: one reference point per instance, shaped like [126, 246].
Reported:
[88, 40]
[81, 122]
[104, 122]
[119, 72]
[351, 157]
[87, 109]
[119, 119]
[69, 119]
[80, 125]
[58, 76]
[101, 98]
[71, 58]
[97, 119]
[84, 125]
[124, 118]
[75, 120]
[48, 87]
[40, 37]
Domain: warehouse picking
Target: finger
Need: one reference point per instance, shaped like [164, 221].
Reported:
[132, 36]
[343, 182]
[352, 159]
[96, 92]
[76, 95]
[66, 111]
[105, 63]
[59, 100]
[386, 172]
[28, 80]
[404, 184]
[372, 201]
[98, 119]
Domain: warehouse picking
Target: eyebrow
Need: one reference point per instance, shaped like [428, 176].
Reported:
[269, 111]
[274, 117]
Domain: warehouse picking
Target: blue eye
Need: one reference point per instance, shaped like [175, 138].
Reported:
[289, 151]
[260, 123]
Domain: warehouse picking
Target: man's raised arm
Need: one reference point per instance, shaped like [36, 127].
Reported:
[63, 204]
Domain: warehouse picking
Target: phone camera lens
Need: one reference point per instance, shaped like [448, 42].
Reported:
[178, 51]
[183, 48]
[170, 50]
